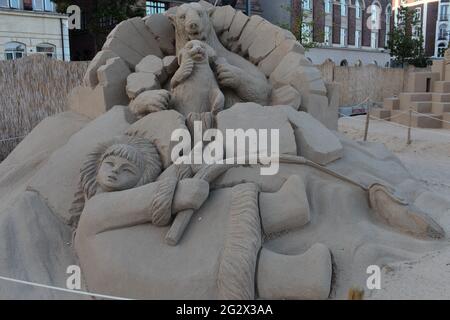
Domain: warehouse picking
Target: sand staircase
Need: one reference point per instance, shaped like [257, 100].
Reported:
[428, 98]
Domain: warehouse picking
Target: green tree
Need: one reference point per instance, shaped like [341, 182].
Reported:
[102, 15]
[406, 40]
[302, 25]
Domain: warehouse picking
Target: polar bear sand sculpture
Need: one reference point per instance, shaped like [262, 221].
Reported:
[96, 187]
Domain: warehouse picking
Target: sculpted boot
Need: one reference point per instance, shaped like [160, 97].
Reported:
[402, 216]
[304, 276]
[286, 209]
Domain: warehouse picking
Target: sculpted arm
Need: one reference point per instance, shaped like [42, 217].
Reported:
[152, 203]
[184, 71]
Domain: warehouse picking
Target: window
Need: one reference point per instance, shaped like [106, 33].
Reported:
[153, 7]
[306, 4]
[442, 32]
[375, 16]
[418, 14]
[48, 4]
[14, 50]
[327, 35]
[46, 49]
[444, 13]
[38, 5]
[343, 8]
[307, 32]
[358, 38]
[105, 22]
[328, 6]
[374, 40]
[343, 37]
[358, 9]
[14, 4]
[416, 31]
[441, 49]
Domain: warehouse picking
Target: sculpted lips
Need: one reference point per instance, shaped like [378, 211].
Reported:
[196, 35]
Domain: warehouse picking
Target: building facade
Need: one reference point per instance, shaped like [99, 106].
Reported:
[32, 26]
[348, 32]
[432, 15]
[442, 30]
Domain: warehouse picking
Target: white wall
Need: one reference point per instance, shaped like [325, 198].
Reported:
[367, 56]
[32, 28]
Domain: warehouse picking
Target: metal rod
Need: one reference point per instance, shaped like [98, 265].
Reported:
[408, 141]
[248, 7]
[366, 129]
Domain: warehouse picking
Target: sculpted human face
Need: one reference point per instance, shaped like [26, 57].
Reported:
[117, 174]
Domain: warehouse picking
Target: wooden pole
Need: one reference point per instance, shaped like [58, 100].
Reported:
[366, 129]
[408, 141]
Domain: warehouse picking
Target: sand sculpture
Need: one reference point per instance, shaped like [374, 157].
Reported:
[104, 194]
[427, 95]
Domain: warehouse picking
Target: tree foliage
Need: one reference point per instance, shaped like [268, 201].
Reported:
[302, 26]
[406, 40]
[102, 15]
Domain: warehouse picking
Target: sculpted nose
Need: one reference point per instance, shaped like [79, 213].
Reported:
[193, 26]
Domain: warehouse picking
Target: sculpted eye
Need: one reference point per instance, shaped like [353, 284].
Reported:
[109, 163]
[128, 170]
[183, 16]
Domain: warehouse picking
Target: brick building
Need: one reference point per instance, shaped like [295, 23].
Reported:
[434, 20]
[349, 32]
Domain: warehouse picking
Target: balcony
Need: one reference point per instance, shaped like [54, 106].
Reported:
[443, 17]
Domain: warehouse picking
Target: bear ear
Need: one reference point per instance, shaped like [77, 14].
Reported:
[211, 11]
[171, 16]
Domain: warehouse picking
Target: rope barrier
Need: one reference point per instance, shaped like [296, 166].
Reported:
[428, 116]
[394, 116]
[397, 125]
[85, 293]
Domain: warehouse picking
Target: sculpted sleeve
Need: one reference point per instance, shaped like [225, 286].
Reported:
[150, 203]
[161, 206]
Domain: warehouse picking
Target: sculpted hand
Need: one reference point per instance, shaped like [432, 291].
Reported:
[184, 72]
[190, 194]
[228, 75]
[150, 101]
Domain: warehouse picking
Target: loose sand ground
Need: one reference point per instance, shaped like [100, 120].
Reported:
[427, 157]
